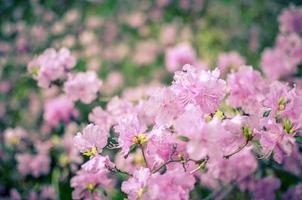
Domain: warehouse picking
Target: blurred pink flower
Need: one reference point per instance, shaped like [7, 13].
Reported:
[14, 136]
[51, 65]
[290, 20]
[101, 118]
[83, 86]
[265, 188]
[179, 56]
[229, 61]
[59, 109]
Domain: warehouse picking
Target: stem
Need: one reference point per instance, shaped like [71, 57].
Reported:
[237, 150]
[164, 164]
[170, 160]
[202, 164]
[122, 172]
[144, 155]
[115, 169]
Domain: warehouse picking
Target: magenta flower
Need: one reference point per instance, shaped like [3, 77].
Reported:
[92, 140]
[83, 86]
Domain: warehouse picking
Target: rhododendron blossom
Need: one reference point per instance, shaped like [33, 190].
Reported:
[51, 65]
[230, 131]
[92, 140]
[83, 86]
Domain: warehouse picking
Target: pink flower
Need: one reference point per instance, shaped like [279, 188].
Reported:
[48, 192]
[162, 106]
[86, 183]
[274, 139]
[59, 109]
[172, 185]
[160, 145]
[235, 169]
[101, 118]
[98, 163]
[35, 165]
[293, 193]
[201, 88]
[92, 140]
[246, 88]
[51, 65]
[131, 131]
[229, 61]
[290, 20]
[265, 188]
[118, 108]
[179, 56]
[14, 136]
[83, 86]
[276, 64]
[135, 186]
[205, 139]
[14, 194]
[146, 52]
[284, 101]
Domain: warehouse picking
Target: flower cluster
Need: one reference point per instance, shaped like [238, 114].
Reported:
[201, 128]
[219, 129]
[51, 65]
[282, 60]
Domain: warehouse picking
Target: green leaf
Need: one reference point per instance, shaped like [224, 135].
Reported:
[266, 113]
[299, 139]
[183, 138]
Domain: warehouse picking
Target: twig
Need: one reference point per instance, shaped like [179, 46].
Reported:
[164, 164]
[115, 169]
[201, 164]
[237, 150]
[144, 155]
[170, 160]
[123, 172]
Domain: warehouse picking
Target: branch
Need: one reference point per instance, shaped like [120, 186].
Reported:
[170, 160]
[164, 164]
[144, 155]
[201, 164]
[115, 169]
[237, 150]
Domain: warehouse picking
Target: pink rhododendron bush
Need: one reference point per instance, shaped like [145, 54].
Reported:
[213, 131]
